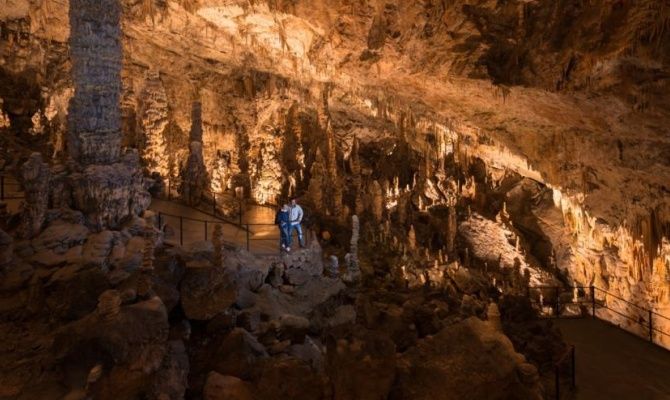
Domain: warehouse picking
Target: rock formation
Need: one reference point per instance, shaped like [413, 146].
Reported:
[492, 146]
[36, 178]
[194, 177]
[96, 53]
[353, 268]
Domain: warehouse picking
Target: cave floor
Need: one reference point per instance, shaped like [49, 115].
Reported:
[614, 364]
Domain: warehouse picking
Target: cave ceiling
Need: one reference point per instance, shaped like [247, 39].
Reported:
[571, 94]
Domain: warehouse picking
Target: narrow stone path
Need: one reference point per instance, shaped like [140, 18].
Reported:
[613, 364]
[263, 234]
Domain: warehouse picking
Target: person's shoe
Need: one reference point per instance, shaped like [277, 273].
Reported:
[288, 249]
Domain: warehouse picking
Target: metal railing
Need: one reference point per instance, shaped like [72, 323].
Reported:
[10, 189]
[202, 229]
[566, 365]
[591, 299]
[210, 203]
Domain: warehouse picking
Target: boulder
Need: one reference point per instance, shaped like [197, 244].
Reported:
[225, 387]
[171, 380]
[60, 237]
[468, 360]
[289, 378]
[237, 354]
[362, 367]
[98, 248]
[206, 292]
[6, 248]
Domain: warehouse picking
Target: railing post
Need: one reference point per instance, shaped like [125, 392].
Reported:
[593, 300]
[651, 327]
[557, 372]
[247, 237]
[558, 302]
[181, 231]
[206, 230]
[574, 369]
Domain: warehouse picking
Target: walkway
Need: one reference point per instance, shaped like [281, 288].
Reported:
[263, 235]
[613, 364]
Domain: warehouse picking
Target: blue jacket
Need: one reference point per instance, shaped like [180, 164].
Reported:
[281, 218]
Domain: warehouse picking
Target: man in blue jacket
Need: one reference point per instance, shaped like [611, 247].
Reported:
[282, 222]
[295, 218]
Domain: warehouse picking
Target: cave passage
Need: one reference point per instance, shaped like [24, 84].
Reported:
[334, 199]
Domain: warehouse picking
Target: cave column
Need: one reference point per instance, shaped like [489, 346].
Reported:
[107, 186]
[96, 55]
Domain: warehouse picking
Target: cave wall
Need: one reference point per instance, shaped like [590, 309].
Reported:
[569, 94]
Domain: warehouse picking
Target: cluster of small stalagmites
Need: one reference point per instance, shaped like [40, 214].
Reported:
[195, 179]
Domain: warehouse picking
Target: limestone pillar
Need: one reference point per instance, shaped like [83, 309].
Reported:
[106, 185]
[96, 54]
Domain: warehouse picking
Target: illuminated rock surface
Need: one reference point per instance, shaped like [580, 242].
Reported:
[449, 153]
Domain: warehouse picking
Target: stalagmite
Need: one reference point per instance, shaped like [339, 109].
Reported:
[452, 229]
[195, 179]
[316, 184]
[153, 114]
[109, 305]
[377, 201]
[149, 249]
[217, 241]
[355, 165]
[411, 238]
[334, 266]
[36, 177]
[353, 269]
[333, 179]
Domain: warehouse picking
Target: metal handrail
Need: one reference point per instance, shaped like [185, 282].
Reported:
[569, 352]
[647, 322]
[4, 184]
[243, 227]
